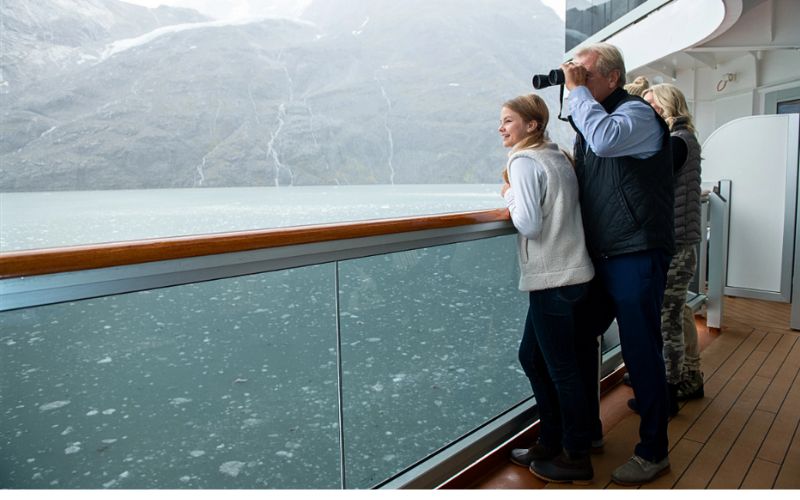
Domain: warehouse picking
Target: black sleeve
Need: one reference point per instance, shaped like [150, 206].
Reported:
[679, 152]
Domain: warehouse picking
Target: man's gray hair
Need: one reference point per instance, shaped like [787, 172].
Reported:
[609, 58]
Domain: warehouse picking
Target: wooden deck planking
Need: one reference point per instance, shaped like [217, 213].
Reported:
[782, 381]
[789, 475]
[715, 412]
[705, 466]
[743, 452]
[745, 433]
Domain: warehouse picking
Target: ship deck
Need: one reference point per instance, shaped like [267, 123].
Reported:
[743, 434]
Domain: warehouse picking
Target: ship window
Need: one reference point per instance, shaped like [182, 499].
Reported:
[787, 107]
[588, 17]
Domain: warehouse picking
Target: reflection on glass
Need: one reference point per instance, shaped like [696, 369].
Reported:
[225, 384]
[429, 351]
[587, 17]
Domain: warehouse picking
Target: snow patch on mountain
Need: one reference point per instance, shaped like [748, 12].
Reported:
[129, 43]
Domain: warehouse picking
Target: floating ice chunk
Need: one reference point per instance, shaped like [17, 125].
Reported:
[114, 482]
[104, 361]
[284, 453]
[54, 405]
[92, 413]
[373, 339]
[251, 422]
[179, 401]
[377, 387]
[66, 431]
[73, 448]
[454, 84]
[231, 468]
[185, 479]
[109, 411]
[197, 453]
[110, 441]
[389, 458]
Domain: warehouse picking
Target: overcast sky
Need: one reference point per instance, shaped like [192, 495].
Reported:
[242, 9]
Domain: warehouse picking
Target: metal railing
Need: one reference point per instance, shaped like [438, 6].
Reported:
[36, 280]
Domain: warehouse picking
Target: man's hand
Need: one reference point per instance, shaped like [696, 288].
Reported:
[574, 75]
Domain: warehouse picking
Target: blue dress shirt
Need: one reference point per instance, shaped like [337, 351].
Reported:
[630, 130]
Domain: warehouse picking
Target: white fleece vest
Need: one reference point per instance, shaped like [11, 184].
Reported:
[558, 257]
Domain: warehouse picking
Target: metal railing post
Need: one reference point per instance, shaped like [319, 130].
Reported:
[719, 209]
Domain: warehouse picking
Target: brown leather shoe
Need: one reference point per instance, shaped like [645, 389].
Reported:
[565, 468]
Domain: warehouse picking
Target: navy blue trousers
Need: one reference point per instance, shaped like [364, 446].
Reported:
[630, 288]
[549, 356]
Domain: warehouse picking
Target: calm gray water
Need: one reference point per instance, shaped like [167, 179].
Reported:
[41, 220]
[234, 383]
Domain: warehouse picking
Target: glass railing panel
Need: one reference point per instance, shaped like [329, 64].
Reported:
[429, 351]
[225, 384]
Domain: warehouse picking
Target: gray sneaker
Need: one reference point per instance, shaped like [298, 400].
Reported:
[637, 470]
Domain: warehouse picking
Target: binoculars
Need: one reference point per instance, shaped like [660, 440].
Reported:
[554, 77]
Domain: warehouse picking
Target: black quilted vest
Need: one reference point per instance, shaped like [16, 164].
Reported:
[626, 203]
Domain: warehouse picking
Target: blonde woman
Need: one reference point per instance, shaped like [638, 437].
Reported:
[681, 353]
[541, 192]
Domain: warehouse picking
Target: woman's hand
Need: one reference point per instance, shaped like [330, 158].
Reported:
[506, 187]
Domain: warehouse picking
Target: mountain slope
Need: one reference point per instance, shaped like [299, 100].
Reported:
[361, 92]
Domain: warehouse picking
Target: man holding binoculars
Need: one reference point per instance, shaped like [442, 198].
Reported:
[624, 169]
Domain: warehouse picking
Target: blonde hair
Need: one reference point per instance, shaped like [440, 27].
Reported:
[672, 103]
[609, 58]
[638, 86]
[531, 107]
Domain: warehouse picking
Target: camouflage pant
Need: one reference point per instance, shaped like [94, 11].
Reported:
[681, 353]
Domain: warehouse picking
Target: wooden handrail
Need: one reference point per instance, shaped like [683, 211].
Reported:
[84, 257]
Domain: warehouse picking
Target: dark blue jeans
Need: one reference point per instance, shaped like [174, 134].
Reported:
[548, 355]
[630, 288]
